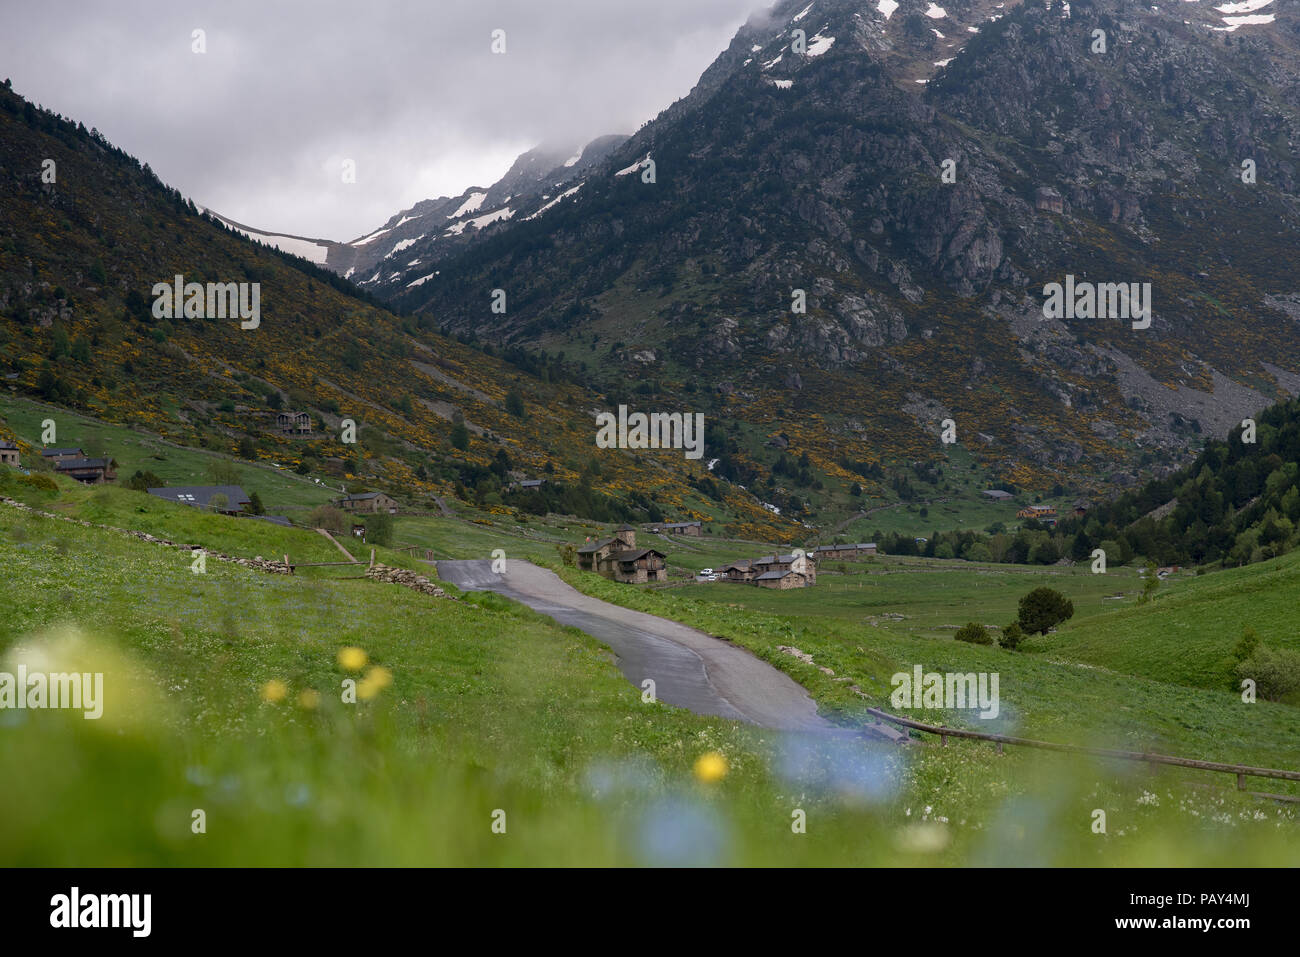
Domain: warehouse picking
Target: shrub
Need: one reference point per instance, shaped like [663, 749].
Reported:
[43, 482]
[1150, 585]
[974, 633]
[1012, 635]
[221, 472]
[142, 481]
[379, 529]
[329, 518]
[1043, 609]
[1276, 673]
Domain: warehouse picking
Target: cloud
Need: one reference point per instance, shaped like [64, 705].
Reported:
[259, 125]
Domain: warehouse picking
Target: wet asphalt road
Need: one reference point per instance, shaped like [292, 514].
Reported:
[690, 668]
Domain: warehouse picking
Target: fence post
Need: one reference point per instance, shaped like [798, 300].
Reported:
[372, 558]
[286, 561]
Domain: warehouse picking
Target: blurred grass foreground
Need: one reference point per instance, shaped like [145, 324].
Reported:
[255, 719]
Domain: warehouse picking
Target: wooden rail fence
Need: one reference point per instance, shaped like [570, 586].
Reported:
[1242, 771]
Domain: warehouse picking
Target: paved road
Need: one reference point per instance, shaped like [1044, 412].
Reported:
[690, 668]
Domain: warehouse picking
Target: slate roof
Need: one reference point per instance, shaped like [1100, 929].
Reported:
[201, 495]
[48, 453]
[632, 554]
[81, 465]
[773, 576]
[594, 546]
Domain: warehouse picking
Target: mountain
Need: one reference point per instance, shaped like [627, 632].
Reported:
[816, 163]
[433, 229]
[81, 255]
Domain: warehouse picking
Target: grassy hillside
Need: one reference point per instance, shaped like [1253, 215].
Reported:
[491, 707]
[1187, 634]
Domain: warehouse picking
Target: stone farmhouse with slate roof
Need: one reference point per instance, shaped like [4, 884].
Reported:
[619, 559]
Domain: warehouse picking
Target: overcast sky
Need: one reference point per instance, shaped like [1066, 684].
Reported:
[258, 127]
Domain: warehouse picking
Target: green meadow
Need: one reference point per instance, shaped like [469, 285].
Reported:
[138, 450]
[224, 694]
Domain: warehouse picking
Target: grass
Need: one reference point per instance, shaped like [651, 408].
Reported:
[1186, 634]
[492, 707]
[1041, 696]
[136, 450]
[927, 597]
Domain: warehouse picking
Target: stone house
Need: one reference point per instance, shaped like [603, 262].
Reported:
[293, 423]
[741, 571]
[86, 471]
[1041, 512]
[8, 454]
[619, 559]
[57, 455]
[782, 579]
[802, 564]
[693, 529]
[373, 502]
[843, 552]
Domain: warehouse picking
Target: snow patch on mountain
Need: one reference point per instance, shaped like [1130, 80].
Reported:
[819, 45]
[565, 195]
[480, 221]
[406, 244]
[634, 167]
[887, 7]
[471, 205]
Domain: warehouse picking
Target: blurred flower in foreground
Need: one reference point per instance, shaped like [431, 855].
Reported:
[274, 691]
[677, 832]
[928, 838]
[309, 699]
[375, 681]
[352, 658]
[710, 766]
[608, 779]
[847, 766]
[116, 691]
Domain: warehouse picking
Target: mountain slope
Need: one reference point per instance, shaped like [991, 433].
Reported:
[434, 229]
[822, 171]
[79, 260]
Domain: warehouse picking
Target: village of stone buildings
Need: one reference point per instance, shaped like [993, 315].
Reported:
[617, 557]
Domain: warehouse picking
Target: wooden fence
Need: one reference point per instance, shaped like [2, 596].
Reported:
[1242, 771]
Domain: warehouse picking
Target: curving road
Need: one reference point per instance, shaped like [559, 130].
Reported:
[690, 668]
